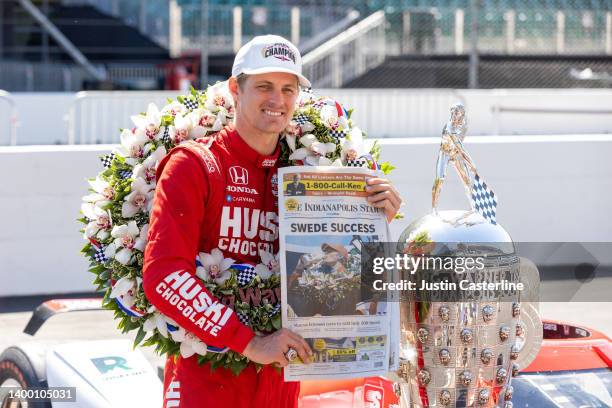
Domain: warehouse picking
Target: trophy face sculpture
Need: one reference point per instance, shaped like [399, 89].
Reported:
[456, 349]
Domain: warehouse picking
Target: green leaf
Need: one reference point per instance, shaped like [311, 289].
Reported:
[139, 337]
[276, 322]
[386, 167]
[238, 366]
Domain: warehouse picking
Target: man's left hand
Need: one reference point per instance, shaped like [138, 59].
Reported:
[383, 195]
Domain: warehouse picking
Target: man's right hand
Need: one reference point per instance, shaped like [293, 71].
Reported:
[271, 349]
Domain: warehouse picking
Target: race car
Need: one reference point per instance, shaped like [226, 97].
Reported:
[572, 369]
[88, 374]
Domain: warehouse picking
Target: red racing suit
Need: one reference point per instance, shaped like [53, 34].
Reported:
[218, 196]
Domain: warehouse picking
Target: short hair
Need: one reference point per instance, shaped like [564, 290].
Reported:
[241, 79]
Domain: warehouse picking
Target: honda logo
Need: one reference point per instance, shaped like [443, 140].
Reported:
[239, 175]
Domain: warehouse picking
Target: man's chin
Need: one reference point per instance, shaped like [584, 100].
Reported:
[275, 128]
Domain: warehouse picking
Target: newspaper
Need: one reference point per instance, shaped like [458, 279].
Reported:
[324, 221]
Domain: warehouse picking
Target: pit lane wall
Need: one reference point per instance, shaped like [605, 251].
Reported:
[551, 188]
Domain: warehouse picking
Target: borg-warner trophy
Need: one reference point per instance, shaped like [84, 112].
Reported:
[461, 348]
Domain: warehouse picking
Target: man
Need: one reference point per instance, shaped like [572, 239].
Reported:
[221, 196]
[296, 188]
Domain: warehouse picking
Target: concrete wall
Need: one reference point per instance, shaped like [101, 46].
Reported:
[43, 117]
[551, 188]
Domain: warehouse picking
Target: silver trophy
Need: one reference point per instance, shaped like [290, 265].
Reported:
[458, 348]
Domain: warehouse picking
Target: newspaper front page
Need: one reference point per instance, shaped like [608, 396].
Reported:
[325, 220]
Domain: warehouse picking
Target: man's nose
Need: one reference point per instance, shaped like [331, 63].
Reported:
[276, 98]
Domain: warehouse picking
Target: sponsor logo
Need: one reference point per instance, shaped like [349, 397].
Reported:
[279, 51]
[109, 363]
[239, 175]
[229, 198]
[191, 299]
[210, 164]
[291, 204]
[274, 182]
[268, 162]
[173, 394]
[372, 396]
[240, 189]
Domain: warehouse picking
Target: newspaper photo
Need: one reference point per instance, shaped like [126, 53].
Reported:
[324, 222]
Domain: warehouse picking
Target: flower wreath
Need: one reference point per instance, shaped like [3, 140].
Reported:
[115, 214]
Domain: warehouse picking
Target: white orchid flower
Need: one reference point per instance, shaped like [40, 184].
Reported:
[218, 97]
[125, 288]
[134, 145]
[100, 221]
[127, 239]
[269, 265]
[157, 321]
[270, 260]
[354, 146]
[192, 345]
[103, 193]
[214, 266]
[313, 153]
[174, 108]
[331, 119]
[295, 130]
[203, 121]
[182, 129]
[140, 199]
[150, 122]
[147, 168]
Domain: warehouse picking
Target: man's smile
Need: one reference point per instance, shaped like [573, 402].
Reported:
[272, 113]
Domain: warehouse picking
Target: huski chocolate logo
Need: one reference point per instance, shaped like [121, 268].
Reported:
[279, 51]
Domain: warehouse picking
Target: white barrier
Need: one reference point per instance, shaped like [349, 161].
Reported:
[551, 188]
[96, 117]
[8, 119]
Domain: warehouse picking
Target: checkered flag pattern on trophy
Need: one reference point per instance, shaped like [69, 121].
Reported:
[483, 199]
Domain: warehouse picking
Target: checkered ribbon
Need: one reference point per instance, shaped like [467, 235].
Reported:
[125, 174]
[275, 310]
[244, 319]
[107, 159]
[319, 104]
[484, 200]
[301, 119]
[191, 104]
[337, 134]
[246, 273]
[99, 255]
[361, 162]
[166, 137]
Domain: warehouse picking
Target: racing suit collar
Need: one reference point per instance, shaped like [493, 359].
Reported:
[238, 145]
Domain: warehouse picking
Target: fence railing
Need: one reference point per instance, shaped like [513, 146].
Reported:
[549, 31]
[56, 77]
[8, 119]
[350, 54]
[97, 116]
[41, 77]
[177, 26]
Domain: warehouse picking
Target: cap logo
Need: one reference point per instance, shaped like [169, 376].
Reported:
[279, 51]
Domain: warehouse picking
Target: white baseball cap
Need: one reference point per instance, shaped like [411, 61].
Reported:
[269, 53]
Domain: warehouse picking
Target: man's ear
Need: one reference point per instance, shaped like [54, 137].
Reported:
[232, 84]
